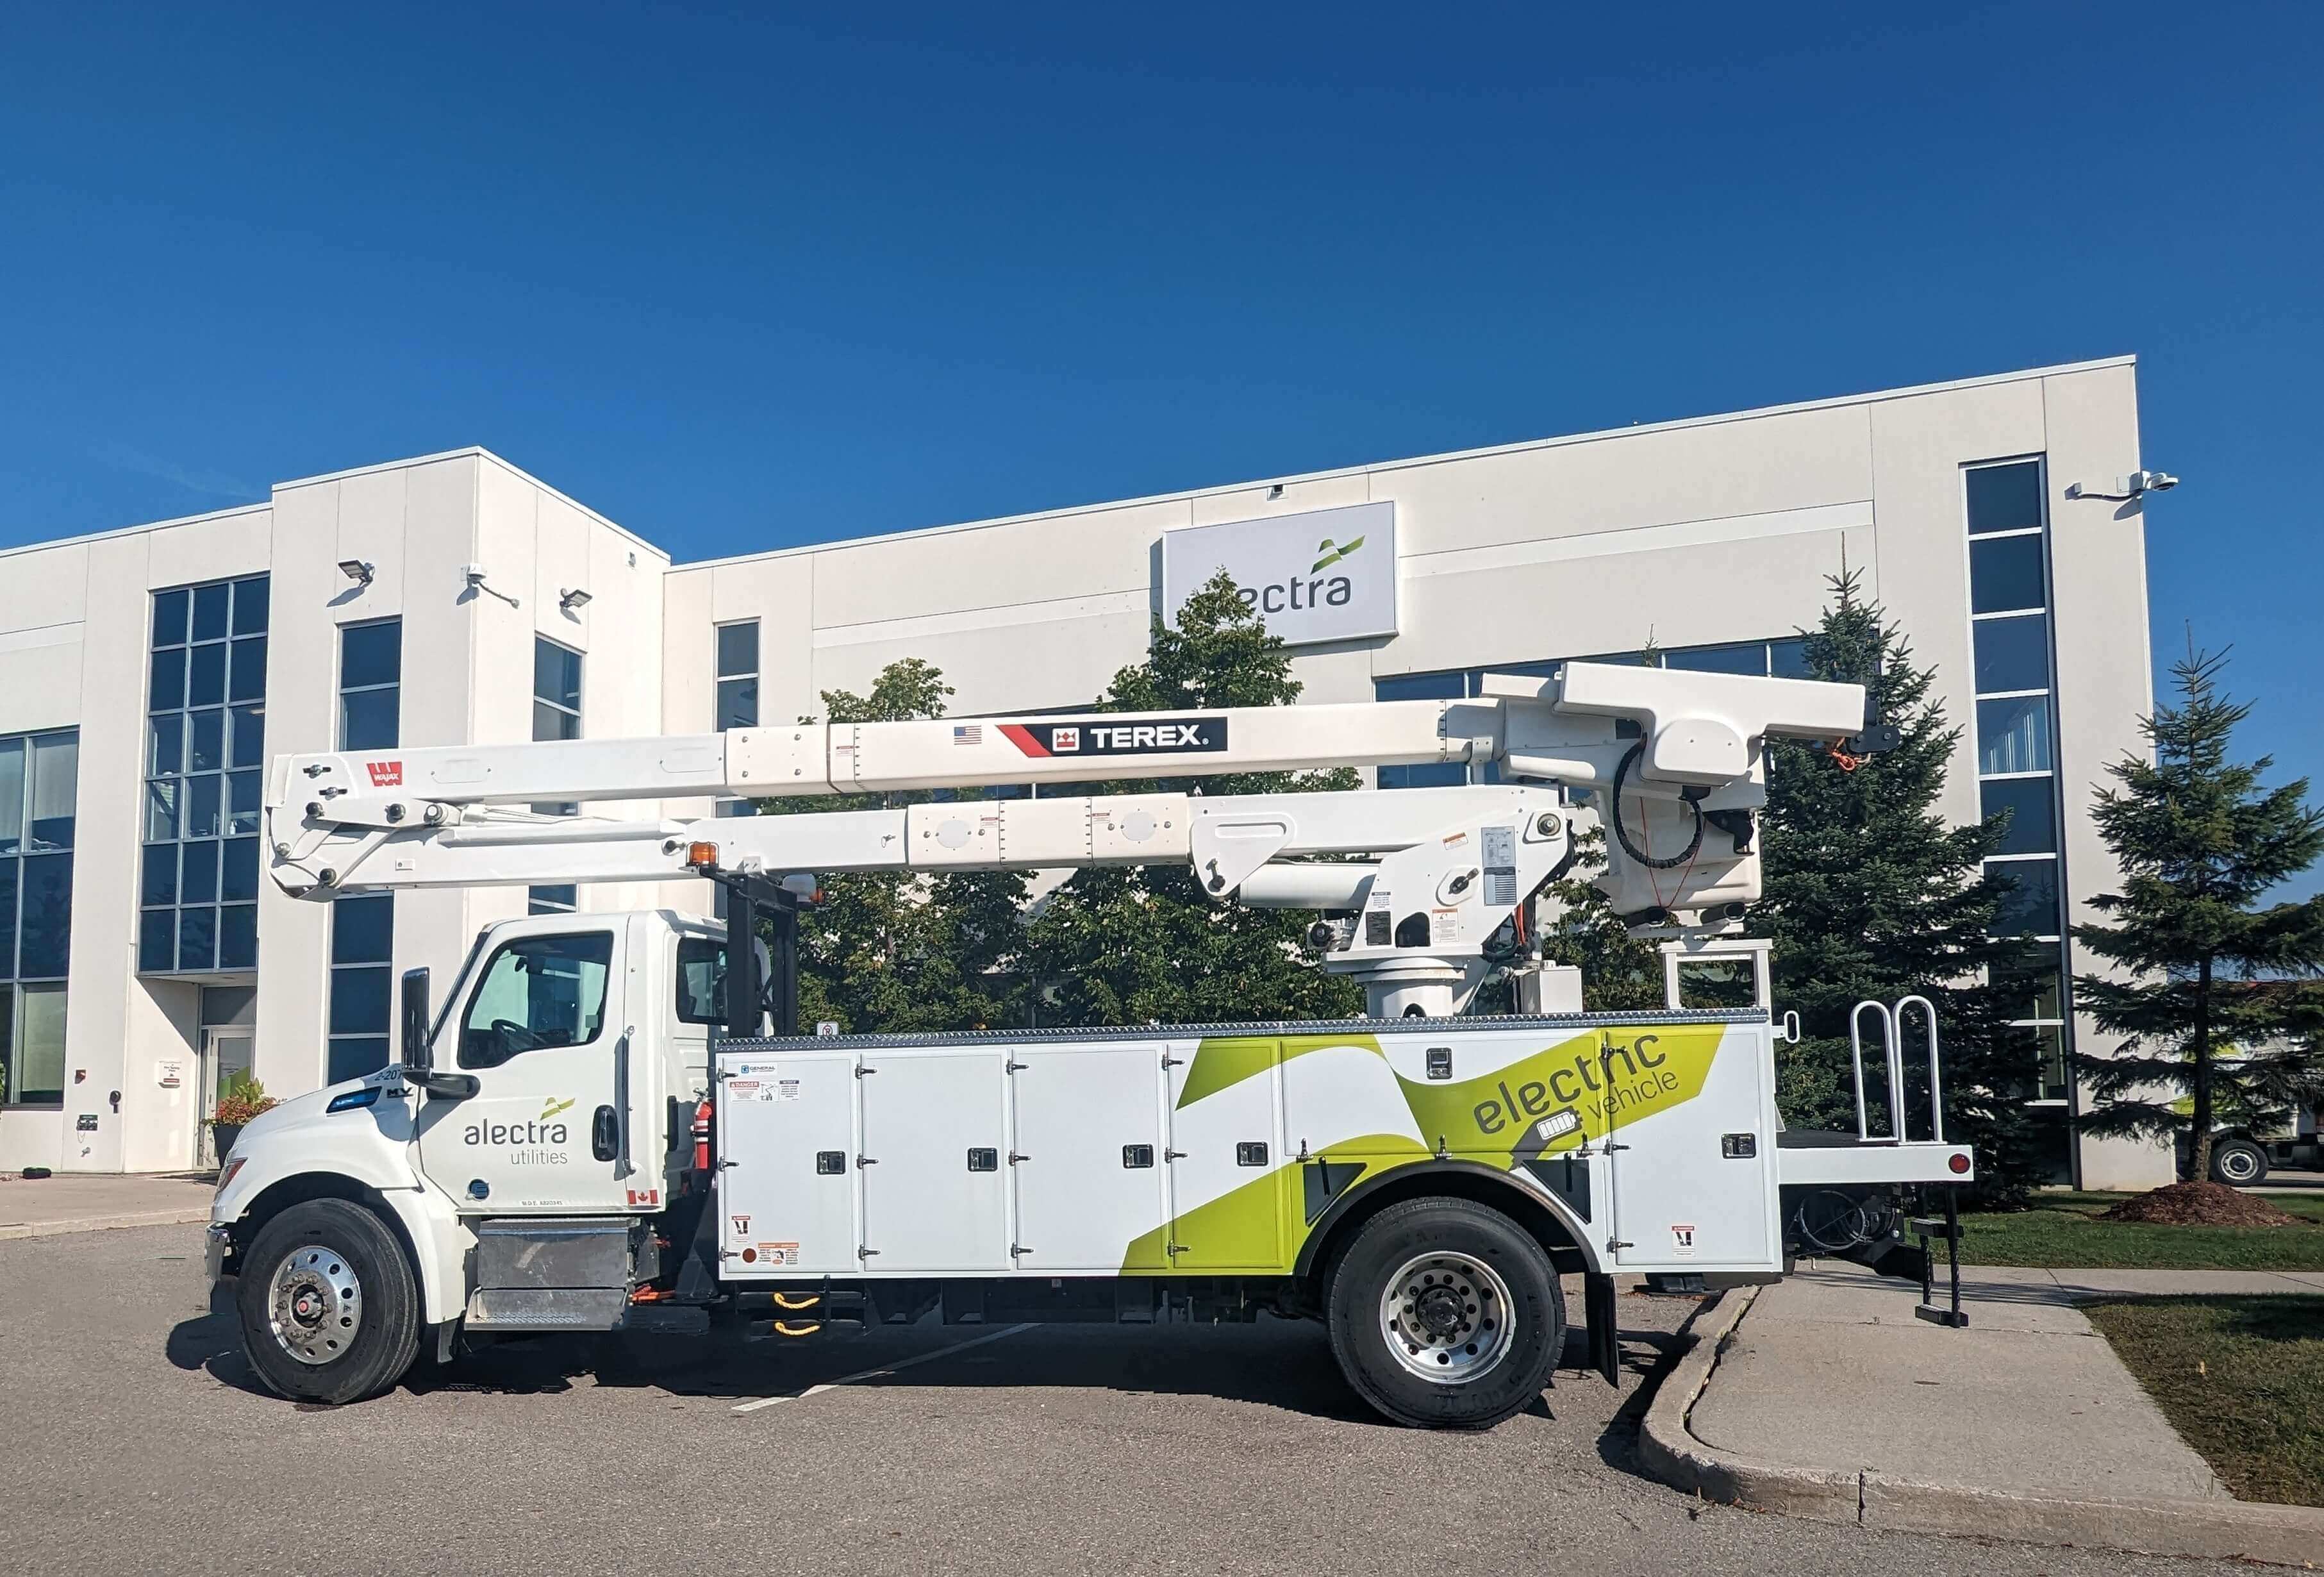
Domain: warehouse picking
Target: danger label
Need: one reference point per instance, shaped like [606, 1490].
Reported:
[1682, 1239]
[779, 1254]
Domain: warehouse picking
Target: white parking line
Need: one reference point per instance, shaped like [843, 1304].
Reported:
[849, 1380]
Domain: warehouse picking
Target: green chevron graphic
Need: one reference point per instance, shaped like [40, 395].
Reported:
[1331, 553]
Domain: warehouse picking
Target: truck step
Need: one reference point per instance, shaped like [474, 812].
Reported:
[547, 1308]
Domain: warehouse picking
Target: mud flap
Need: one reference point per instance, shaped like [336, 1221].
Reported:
[1598, 1316]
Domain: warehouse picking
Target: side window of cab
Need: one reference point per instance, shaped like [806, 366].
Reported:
[535, 993]
[701, 981]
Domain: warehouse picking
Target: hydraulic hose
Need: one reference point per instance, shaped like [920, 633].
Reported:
[1622, 833]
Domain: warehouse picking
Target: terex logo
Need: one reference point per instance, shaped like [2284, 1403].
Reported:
[1313, 591]
[1199, 736]
[385, 774]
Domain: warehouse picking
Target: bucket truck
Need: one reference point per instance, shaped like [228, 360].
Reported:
[611, 1122]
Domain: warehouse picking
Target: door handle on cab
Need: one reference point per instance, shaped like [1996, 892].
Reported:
[605, 1134]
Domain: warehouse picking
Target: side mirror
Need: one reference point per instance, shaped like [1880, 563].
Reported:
[419, 1056]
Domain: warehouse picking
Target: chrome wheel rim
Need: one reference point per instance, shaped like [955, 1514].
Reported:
[1446, 1317]
[315, 1304]
[2235, 1166]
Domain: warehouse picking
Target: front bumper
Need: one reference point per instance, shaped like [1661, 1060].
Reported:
[218, 1261]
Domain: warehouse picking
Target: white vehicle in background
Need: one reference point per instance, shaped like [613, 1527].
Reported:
[597, 1131]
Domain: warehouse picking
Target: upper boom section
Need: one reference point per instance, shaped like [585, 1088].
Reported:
[1700, 730]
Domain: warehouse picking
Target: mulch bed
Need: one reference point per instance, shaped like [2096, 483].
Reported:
[2199, 1205]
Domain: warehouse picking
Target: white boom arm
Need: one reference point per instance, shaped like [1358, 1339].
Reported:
[1450, 864]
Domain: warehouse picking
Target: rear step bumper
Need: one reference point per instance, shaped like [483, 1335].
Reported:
[1872, 1162]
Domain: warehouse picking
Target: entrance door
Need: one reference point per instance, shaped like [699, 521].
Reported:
[225, 1054]
[541, 1027]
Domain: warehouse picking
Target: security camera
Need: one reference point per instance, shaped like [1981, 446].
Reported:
[2125, 488]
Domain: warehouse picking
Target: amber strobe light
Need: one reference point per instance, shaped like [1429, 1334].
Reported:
[702, 856]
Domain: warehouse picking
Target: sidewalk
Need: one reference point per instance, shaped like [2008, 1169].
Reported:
[1824, 1397]
[88, 1201]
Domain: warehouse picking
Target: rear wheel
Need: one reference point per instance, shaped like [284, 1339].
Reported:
[330, 1307]
[2238, 1161]
[1445, 1314]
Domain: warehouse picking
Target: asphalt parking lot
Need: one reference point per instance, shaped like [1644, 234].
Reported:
[137, 1441]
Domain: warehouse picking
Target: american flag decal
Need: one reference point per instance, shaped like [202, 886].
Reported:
[968, 733]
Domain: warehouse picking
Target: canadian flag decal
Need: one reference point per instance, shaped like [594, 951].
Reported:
[385, 774]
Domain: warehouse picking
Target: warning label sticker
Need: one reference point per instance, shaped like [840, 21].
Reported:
[779, 1254]
[1682, 1239]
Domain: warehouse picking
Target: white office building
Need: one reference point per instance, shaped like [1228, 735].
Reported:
[147, 674]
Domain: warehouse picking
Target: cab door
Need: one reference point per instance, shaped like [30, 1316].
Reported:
[543, 1024]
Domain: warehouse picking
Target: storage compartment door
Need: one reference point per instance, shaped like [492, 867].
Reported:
[787, 1190]
[1088, 1173]
[1694, 1184]
[935, 1159]
[1227, 1165]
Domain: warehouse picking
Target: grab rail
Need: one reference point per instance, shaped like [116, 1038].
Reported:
[1891, 1019]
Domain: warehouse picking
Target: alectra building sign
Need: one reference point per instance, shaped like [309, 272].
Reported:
[1329, 575]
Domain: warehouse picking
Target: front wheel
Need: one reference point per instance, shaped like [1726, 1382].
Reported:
[1445, 1315]
[330, 1307]
[2238, 1161]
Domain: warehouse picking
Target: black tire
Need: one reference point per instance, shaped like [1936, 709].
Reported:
[1384, 1251]
[2238, 1162]
[365, 1302]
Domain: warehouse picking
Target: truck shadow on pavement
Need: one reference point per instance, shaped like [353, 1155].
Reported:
[1274, 1363]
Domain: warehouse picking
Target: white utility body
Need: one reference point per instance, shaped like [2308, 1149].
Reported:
[597, 1133]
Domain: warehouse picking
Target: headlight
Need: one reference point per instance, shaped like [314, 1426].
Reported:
[226, 1173]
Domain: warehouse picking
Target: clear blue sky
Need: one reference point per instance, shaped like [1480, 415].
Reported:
[740, 281]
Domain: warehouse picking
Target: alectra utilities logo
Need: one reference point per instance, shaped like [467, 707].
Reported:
[1312, 590]
[543, 1129]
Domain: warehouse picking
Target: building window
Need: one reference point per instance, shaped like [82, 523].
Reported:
[363, 928]
[362, 949]
[371, 686]
[40, 782]
[738, 675]
[205, 771]
[2009, 639]
[555, 715]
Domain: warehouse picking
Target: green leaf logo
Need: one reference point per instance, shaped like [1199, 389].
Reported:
[1328, 554]
[553, 1106]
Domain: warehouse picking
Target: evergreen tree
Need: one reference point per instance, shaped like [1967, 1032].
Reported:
[2202, 969]
[895, 953]
[1146, 943]
[1869, 894]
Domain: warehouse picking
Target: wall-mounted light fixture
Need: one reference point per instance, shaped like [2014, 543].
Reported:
[474, 574]
[2125, 488]
[1276, 491]
[356, 570]
[573, 601]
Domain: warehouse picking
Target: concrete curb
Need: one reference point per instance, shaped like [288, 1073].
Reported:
[2288, 1536]
[101, 1223]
